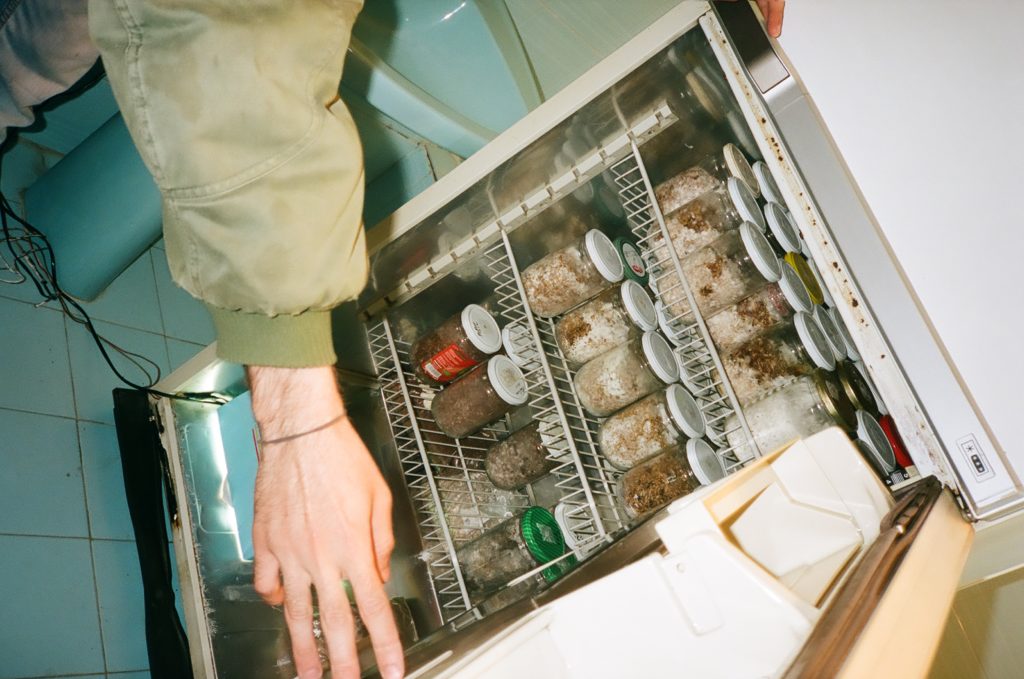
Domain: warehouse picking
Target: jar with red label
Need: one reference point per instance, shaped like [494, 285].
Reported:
[485, 394]
[713, 171]
[461, 342]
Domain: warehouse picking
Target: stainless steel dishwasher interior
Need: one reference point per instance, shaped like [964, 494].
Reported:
[676, 108]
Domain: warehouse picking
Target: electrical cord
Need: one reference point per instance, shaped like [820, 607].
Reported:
[33, 260]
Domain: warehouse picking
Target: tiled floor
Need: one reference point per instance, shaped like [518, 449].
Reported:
[69, 578]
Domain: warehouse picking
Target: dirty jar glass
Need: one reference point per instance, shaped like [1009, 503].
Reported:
[464, 340]
[510, 549]
[482, 396]
[776, 357]
[709, 215]
[783, 233]
[734, 266]
[574, 274]
[641, 430]
[796, 410]
[672, 474]
[766, 308]
[713, 171]
[610, 319]
[626, 374]
[520, 459]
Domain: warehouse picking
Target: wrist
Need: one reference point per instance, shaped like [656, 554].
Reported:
[286, 401]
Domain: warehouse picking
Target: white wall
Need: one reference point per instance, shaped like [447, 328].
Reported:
[925, 99]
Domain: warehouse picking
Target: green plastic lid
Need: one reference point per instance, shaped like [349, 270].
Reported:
[634, 267]
[543, 538]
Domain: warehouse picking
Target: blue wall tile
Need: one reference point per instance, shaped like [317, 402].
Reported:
[34, 366]
[94, 380]
[104, 484]
[179, 352]
[128, 675]
[185, 317]
[41, 483]
[48, 617]
[122, 610]
[131, 299]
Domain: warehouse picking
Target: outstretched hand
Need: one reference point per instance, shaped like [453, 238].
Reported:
[772, 10]
[323, 515]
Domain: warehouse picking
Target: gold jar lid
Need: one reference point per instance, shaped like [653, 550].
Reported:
[855, 388]
[833, 399]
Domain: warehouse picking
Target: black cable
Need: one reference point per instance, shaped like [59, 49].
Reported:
[38, 264]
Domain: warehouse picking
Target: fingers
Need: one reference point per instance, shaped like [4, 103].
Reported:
[266, 572]
[298, 614]
[773, 17]
[338, 628]
[383, 536]
[375, 610]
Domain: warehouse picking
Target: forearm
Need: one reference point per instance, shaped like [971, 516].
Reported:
[290, 401]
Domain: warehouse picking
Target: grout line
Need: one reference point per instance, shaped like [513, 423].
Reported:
[99, 609]
[156, 288]
[34, 412]
[37, 536]
[39, 304]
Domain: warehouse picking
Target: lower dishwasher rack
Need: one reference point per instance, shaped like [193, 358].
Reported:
[454, 500]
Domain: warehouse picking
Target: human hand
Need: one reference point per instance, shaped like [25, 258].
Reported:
[323, 514]
[772, 11]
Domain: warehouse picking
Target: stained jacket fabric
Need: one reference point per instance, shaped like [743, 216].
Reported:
[234, 108]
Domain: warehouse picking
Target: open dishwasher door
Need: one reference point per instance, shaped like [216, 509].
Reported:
[800, 565]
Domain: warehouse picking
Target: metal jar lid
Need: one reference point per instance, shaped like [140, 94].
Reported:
[831, 397]
[638, 305]
[659, 357]
[831, 332]
[507, 380]
[814, 341]
[684, 411]
[794, 290]
[760, 252]
[604, 255]
[481, 329]
[704, 462]
[856, 389]
[739, 167]
[806, 273]
[782, 227]
[871, 434]
[745, 203]
[769, 187]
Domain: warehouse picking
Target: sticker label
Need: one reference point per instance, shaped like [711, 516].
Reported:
[633, 260]
[971, 450]
[447, 364]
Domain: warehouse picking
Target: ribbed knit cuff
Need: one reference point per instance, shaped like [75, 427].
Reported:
[302, 341]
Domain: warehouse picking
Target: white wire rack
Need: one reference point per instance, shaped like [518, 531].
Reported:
[445, 477]
[701, 366]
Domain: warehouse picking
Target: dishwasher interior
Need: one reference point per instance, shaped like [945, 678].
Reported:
[596, 169]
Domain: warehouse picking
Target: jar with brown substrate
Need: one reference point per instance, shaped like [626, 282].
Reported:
[610, 319]
[481, 397]
[574, 274]
[461, 342]
[771, 305]
[626, 374]
[678, 471]
[782, 233]
[732, 267]
[652, 424]
[510, 549]
[796, 410]
[777, 357]
[710, 173]
[520, 459]
[709, 215]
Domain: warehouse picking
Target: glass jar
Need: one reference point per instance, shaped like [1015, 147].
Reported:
[783, 233]
[626, 374]
[776, 357]
[844, 332]
[482, 396]
[510, 549]
[803, 407]
[610, 319]
[641, 430]
[880, 453]
[734, 266]
[709, 215]
[674, 473]
[769, 187]
[766, 308]
[880, 407]
[856, 389]
[518, 345]
[520, 459]
[464, 340]
[803, 269]
[708, 174]
[572, 275]
[832, 335]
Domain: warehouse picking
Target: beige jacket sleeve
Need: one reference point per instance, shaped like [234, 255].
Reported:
[234, 108]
